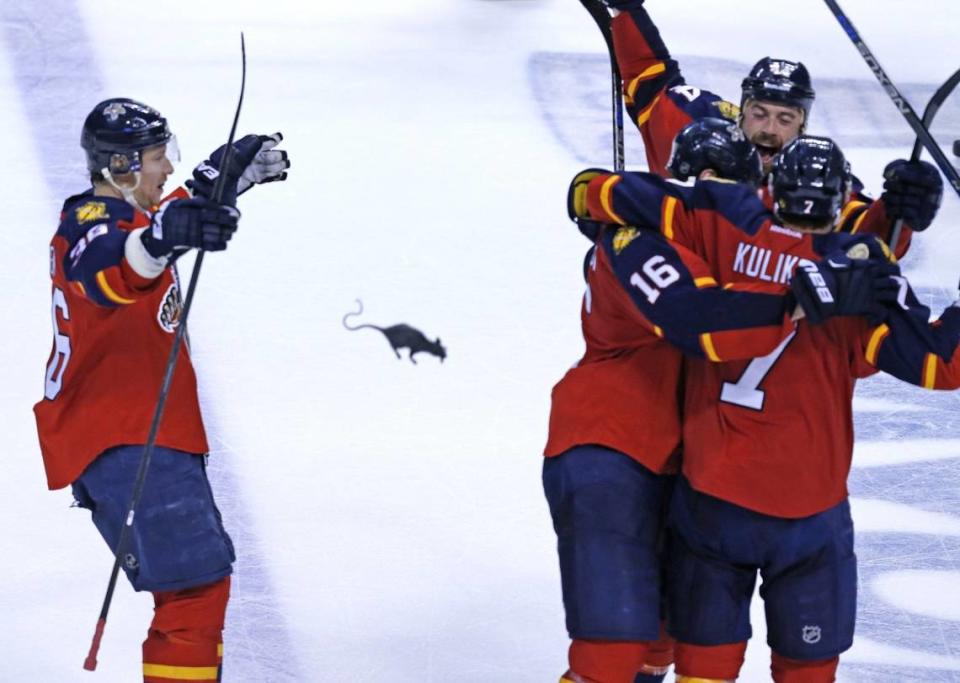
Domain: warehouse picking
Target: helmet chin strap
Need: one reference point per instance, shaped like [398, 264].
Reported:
[125, 191]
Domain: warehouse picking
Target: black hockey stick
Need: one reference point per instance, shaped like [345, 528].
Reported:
[933, 106]
[923, 135]
[601, 15]
[90, 664]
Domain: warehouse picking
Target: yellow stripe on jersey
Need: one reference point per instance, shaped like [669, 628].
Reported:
[706, 341]
[219, 649]
[702, 282]
[644, 115]
[605, 191]
[873, 346]
[110, 294]
[856, 224]
[657, 330]
[181, 673]
[688, 679]
[930, 371]
[666, 219]
[849, 208]
[645, 75]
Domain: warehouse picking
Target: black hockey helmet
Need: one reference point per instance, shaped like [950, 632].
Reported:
[115, 132]
[779, 81]
[715, 143]
[809, 181]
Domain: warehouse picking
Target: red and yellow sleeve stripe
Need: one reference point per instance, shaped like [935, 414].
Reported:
[651, 71]
[873, 345]
[109, 281]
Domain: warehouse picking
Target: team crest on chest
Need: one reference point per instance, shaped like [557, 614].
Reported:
[623, 237]
[168, 315]
[91, 211]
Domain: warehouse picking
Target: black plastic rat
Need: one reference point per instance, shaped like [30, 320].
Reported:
[402, 336]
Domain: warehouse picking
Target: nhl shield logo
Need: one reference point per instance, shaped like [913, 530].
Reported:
[168, 315]
[811, 635]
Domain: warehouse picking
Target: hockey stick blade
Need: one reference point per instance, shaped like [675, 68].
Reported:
[90, 663]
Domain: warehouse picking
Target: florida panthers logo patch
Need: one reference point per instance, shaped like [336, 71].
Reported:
[811, 635]
[623, 237]
[168, 315]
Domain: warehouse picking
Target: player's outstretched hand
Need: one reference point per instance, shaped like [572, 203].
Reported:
[577, 202]
[841, 285]
[912, 191]
[254, 160]
[190, 223]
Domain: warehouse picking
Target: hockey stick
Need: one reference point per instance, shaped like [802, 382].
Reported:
[923, 135]
[933, 106]
[90, 663]
[601, 15]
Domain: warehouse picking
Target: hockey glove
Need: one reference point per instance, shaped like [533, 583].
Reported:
[254, 160]
[841, 285]
[187, 223]
[577, 202]
[913, 191]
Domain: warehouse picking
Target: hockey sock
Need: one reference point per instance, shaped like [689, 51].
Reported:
[799, 671]
[185, 640]
[658, 660]
[606, 661]
[703, 663]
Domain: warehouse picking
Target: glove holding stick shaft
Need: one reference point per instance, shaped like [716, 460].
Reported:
[912, 192]
[189, 223]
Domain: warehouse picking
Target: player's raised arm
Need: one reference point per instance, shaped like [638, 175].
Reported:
[657, 97]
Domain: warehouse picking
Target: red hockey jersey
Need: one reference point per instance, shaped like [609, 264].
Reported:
[113, 332]
[775, 433]
[625, 393]
[660, 102]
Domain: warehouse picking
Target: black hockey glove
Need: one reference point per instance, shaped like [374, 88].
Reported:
[577, 203]
[187, 223]
[841, 285]
[913, 191]
[254, 161]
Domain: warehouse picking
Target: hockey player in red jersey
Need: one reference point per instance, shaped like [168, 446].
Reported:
[615, 425]
[775, 104]
[767, 442]
[116, 306]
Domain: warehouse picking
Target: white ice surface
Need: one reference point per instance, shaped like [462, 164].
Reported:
[400, 529]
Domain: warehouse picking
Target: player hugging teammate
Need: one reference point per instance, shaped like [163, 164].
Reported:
[725, 329]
